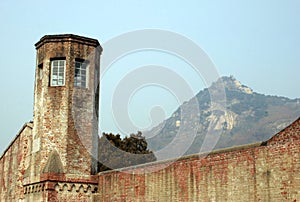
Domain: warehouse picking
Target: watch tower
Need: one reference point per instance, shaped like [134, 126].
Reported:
[66, 94]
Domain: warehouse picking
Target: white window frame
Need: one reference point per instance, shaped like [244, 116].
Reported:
[54, 80]
[78, 79]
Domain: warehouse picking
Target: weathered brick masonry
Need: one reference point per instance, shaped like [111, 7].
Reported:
[268, 171]
[51, 158]
[13, 164]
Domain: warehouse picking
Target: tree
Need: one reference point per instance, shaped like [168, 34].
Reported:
[115, 152]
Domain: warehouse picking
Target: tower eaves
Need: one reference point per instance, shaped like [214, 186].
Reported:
[66, 38]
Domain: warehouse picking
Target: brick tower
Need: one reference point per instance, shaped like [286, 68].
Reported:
[65, 132]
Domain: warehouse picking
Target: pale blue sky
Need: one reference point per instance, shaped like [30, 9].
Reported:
[256, 41]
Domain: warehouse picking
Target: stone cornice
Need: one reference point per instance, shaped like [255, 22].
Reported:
[68, 38]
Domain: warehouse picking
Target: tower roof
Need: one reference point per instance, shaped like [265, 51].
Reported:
[66, 38]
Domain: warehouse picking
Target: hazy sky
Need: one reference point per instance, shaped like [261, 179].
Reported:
[257, 41]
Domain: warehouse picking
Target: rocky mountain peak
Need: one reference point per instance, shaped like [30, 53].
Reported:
[230, 83]
[248, 117]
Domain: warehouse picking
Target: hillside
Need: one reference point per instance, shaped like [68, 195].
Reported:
[247, 117]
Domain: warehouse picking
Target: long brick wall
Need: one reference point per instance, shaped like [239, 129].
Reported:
[268, 171]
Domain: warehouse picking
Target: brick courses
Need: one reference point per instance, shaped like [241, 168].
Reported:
[268, 171]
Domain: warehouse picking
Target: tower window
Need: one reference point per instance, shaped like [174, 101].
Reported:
[40, 71]
[58, 68]
[80, 78]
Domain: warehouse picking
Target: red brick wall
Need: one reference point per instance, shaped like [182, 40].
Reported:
[13, 166]
[248, 173]
[259, 172]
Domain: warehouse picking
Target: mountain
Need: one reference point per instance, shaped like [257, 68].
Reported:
[226, 114]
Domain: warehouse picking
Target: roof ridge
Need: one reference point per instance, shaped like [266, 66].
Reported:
[25, 125]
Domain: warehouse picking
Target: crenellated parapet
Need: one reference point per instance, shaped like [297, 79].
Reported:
[76, 187]
[35, 188]
[66, 187]
[60, 190]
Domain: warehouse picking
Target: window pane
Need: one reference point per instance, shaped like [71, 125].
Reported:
[80, 74]
[77, 64]
[76, 72]
[57, 72]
